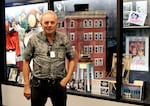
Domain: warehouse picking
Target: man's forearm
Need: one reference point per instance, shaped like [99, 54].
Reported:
[26, 72]
[70, 68]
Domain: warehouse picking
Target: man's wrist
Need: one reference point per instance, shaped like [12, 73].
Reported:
[26, 84]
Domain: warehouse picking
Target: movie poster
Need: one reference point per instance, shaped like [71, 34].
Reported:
[138, 47]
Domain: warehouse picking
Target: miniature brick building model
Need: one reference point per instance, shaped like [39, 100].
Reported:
[87, 33]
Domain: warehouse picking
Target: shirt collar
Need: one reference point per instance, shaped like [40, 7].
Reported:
[43, 37]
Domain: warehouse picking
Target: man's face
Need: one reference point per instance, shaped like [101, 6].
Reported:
[49, 23]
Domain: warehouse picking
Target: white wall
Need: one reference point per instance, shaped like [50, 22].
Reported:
[13, 96]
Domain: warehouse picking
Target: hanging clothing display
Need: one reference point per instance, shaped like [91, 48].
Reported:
[21, 34]
[12, 42]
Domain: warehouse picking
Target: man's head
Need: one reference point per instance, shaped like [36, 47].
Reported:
[49, 22]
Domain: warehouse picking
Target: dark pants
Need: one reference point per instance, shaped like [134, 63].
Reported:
[42, 89]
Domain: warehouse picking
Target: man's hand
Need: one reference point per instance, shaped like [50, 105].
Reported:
[64, 82]
[27, 91]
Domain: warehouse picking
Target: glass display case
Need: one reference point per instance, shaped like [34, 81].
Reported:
[91, 29]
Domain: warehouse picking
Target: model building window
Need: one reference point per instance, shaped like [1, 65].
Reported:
[98, 61]
[85, 49]
[100, 23]
[96, 24]
[98, 48]
[85, 36]
[98, 74]
[87, 23]
[72, 36]
[101, 36]
[98, 36]
[90, 23]
[61, 24]
[88, 49]
[72, 24]
[90, 36]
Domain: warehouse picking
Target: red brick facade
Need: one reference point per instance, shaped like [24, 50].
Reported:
[87, 33]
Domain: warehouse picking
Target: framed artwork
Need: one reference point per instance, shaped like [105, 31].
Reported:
[137, 18]
[133, 91]
[104, 87]
[27, 16]
[138, 47]
[13, 73]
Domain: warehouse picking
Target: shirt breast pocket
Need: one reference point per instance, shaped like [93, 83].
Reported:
[61, 52]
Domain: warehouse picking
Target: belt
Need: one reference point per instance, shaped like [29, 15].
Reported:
[47, 80]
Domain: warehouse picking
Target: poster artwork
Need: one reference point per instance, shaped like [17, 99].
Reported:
[131, 91]
[138, 47]
[104, 88]
[13, 74]
[136, 18]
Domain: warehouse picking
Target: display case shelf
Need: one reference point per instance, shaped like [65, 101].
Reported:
[137, 27]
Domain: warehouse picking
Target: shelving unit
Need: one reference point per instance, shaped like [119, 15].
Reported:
[137, 27]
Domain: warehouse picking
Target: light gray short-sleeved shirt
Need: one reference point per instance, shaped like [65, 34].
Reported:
[49, 59]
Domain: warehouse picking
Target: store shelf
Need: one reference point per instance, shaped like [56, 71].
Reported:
[136, 27]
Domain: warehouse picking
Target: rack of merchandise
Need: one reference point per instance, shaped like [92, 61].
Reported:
[101, 39]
